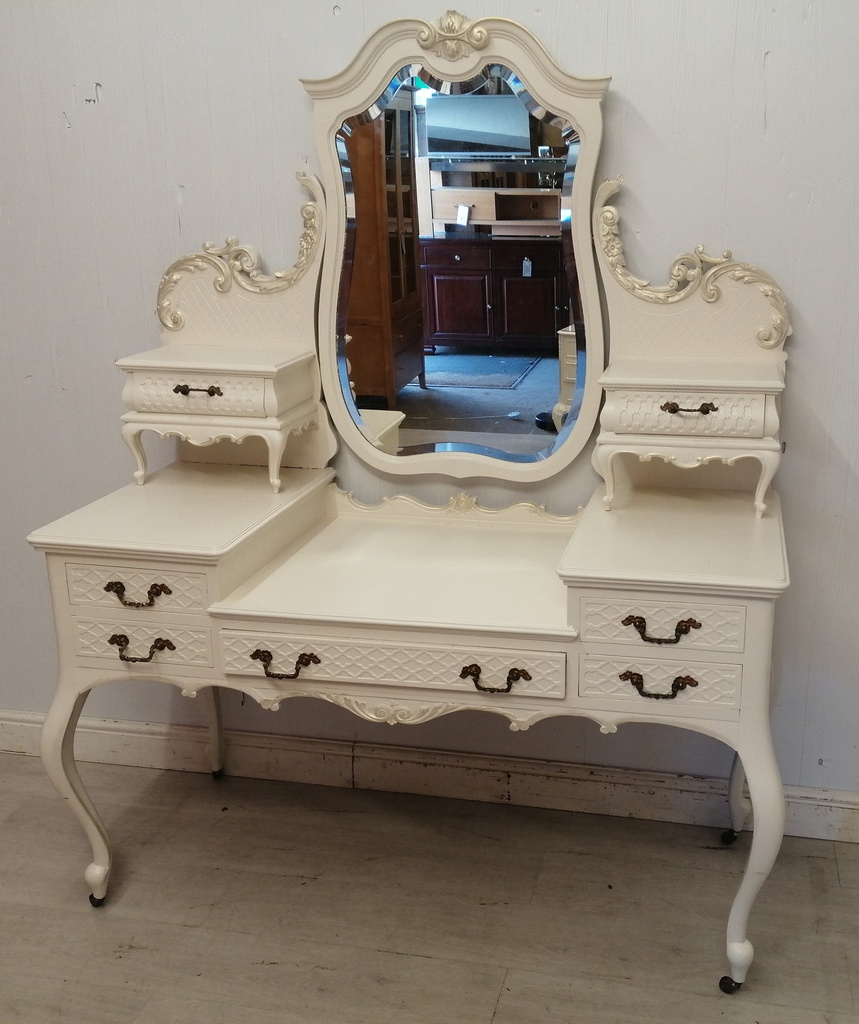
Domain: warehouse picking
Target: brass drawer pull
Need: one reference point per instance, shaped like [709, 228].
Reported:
[302, 661]
[513, 676]
[156, 590]
[705, 408]
[637, 680]
[639, 623]
[185, 389]
[121, 641]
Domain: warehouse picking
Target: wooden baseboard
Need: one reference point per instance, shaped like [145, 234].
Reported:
[813, 813]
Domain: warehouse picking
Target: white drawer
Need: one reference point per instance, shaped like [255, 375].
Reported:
[648, 412]
[403, 664]
[155, 392]
[92, 585]
[669, 626]
[191, 645]
[616, 678]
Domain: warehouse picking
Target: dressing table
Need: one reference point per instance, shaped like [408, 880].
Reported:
[653, 603]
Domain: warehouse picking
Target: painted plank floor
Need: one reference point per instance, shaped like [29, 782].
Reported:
[250, 902]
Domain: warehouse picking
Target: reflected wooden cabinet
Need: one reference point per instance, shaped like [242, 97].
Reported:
[384, 305]
[494, 293]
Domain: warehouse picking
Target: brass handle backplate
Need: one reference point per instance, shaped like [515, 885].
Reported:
[156, 590]
[302, 661]
[639, 623]
[513, 676]
[705, 408]
[121, 641]
[637, 680]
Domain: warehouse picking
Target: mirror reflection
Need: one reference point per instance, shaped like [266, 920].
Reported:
[459, 320]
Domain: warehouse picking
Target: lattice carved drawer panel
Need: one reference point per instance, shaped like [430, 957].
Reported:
[241, 396]
[721, 628]
[735, 415]
[86, 583]
[412, 665]
[192, 645]
[718, 686]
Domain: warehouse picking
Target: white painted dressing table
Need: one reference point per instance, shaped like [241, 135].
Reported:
[209, 574]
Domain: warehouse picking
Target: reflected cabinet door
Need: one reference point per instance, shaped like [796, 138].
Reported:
[458, 307]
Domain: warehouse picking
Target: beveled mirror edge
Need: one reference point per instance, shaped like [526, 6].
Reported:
[455, 50]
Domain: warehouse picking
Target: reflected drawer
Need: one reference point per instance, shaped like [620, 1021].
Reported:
[464, 256]
[190, 645]
[645, 412]
[387, 664]
[719, 628]
[88, 585]
[545, 258]
[654, 682]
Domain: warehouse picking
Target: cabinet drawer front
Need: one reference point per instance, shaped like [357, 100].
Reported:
[192, 644]
[388, 664]
[720, 629]
[87, 584]
[467, 257]
[717, 685]
[631, 412]
[241, 396]
[446, 203]
[544, 258]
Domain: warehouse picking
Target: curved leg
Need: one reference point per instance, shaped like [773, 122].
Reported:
[58, 738]
[215, 746]
[769, 465]
[738, 803]
[131, 435]
[602, 463]
[767, 798]
[276, 446]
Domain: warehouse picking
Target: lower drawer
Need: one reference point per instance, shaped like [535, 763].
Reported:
[656, 682]
[191, 645]
[402, 664]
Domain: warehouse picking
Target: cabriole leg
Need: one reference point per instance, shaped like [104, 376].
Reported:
[738, 803]
[131, 435]
[276, 447]
[215, 746]
[57, 747]
[767, 800]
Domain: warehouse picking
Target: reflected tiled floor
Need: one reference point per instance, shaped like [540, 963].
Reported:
[242, 901]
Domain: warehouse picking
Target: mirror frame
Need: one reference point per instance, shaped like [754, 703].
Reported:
[456, 50]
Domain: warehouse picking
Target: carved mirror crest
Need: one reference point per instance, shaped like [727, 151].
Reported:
[458, 162]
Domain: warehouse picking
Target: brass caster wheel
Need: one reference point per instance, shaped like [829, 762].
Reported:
[729, 837]
[96, 901]
[728, 985]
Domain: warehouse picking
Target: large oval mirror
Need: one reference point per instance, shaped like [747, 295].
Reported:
[460, 330]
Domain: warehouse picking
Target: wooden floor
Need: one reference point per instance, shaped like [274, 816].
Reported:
[246, 902]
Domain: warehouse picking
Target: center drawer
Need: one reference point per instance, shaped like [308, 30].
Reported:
[415, 665]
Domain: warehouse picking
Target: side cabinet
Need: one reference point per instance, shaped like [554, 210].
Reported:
[494, 294]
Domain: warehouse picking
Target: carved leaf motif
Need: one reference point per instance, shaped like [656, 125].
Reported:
[688, 273]
[240, 263]
[455, 38]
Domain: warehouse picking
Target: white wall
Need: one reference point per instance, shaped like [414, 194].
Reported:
[132, 132]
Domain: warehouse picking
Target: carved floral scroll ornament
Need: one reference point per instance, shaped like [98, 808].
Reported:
[455, 38]
[688, 273]
[240, 263]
